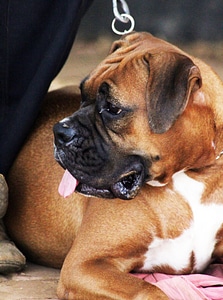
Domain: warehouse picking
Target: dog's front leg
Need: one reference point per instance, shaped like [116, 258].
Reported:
[100, 279]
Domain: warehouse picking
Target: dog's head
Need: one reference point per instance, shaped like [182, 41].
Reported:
[143, 117]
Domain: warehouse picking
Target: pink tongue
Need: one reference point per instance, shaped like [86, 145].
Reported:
[67, 185]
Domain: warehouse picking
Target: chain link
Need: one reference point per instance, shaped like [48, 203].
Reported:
[124, 17]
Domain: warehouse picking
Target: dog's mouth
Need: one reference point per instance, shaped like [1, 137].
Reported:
[125, 188]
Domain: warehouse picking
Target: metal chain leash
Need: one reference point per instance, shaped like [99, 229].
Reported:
[124, 17]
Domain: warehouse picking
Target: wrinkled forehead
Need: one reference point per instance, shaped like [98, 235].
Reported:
[126, 57]
[142, 41]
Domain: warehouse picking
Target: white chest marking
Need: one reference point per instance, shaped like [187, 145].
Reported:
[199, 237]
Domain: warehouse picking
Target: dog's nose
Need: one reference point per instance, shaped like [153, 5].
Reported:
[63, 133]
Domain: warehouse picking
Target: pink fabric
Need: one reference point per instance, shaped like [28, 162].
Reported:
[208, 286]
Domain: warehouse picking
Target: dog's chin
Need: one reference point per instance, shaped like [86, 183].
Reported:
[126, 188]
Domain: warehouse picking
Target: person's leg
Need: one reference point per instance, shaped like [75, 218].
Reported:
[36, 37]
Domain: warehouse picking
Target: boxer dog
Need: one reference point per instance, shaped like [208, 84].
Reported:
[145, 148]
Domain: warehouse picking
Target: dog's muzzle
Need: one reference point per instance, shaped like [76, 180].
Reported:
[99, 172]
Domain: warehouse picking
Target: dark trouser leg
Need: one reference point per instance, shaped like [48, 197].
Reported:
[35, 40]
[36, 37]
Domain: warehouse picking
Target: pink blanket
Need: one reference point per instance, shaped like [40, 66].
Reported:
[207, 286]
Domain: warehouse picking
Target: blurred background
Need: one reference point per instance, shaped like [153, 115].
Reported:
[184, 20]
[194, 25]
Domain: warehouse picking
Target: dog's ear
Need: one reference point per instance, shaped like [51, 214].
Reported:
[115, 46]
[126, 40]
[172, 78]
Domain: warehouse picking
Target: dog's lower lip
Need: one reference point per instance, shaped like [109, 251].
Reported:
[93, 192]
[122, 189]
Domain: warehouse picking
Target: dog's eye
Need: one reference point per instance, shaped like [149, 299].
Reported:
[111, 108]
[105, 103]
